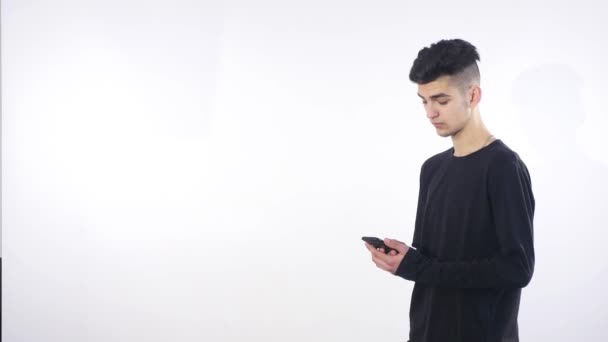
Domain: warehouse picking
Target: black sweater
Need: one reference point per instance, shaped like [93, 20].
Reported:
[473, 247]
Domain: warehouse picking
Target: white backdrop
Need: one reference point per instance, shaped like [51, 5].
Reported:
[198, 171]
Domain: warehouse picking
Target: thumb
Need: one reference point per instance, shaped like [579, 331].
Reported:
[398, 245]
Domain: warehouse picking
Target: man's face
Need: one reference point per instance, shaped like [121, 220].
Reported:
[446, 105]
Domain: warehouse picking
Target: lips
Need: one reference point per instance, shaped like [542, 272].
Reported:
[437, 124]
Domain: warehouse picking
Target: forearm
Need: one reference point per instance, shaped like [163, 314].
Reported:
[511, 270]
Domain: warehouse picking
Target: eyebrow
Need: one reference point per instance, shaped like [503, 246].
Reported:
[436, 96]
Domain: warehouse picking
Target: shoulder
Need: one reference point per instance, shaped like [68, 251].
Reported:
[503, 156]
[435, 161]
[504, 162]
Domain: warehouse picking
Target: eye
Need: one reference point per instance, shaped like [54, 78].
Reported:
[443, 103]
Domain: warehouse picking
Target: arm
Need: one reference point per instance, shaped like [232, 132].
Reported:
[512, 204]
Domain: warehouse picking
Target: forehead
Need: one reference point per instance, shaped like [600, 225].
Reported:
[441, 85]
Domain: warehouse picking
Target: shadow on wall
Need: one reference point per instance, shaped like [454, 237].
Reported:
[568, 288]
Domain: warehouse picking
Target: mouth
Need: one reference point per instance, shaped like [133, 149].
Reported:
[437, 125]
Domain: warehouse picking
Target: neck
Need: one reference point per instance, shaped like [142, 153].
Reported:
[472, 137]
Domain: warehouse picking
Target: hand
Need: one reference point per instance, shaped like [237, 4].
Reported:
[388, 262]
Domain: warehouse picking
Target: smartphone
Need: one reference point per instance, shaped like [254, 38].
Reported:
[378, 243]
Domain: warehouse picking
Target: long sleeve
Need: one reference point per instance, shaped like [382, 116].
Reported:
[420, 208]
[512, 205]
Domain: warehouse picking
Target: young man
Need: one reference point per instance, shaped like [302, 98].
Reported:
[472, 251]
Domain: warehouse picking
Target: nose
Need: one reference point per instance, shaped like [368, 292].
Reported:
[431, 112]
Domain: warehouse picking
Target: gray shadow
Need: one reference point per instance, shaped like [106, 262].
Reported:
[567, 295]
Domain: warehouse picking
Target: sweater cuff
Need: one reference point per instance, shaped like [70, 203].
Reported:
[408, 266]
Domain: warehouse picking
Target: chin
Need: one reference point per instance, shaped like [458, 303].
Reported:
[444, 134]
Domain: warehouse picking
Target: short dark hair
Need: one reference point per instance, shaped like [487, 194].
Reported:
[446, 57]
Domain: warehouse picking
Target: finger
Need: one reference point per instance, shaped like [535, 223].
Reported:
[372, 250]
[398, 245]
[381, 264]
[396, 241]
[380, 255]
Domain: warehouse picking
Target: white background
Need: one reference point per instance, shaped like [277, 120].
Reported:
[203, 171]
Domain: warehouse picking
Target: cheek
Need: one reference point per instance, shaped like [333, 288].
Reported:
[457, 113]
[450, 113]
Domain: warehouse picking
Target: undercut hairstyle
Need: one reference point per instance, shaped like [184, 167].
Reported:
[455, 57]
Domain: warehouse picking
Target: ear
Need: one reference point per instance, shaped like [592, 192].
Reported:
[474, 96]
